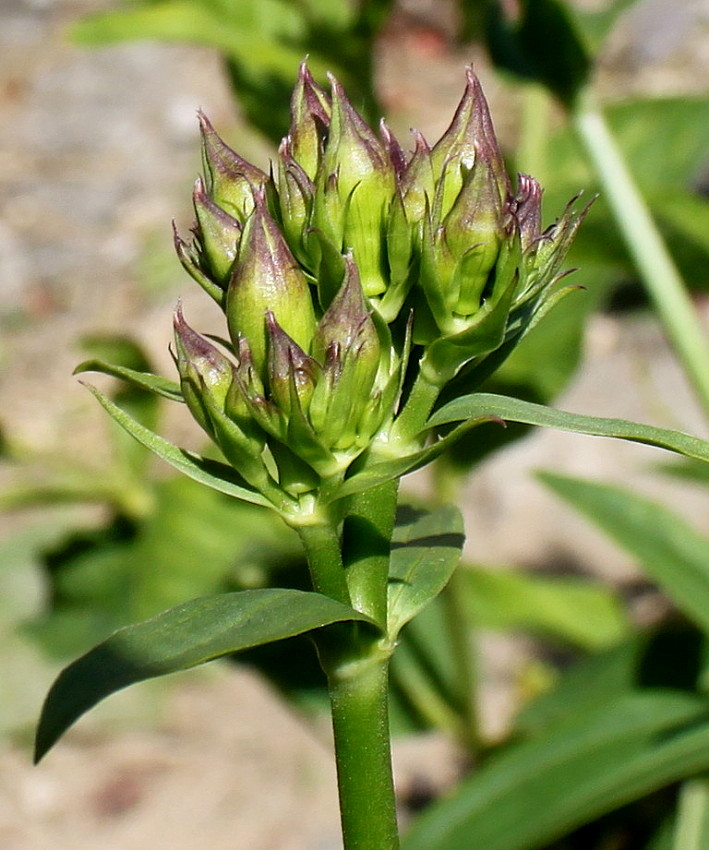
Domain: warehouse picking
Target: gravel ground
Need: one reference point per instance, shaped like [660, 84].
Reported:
[97, 154]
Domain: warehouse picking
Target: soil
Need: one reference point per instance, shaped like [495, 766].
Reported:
[98, 148]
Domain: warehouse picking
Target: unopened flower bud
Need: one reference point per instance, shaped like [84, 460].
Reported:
[310, 118]
[347, 344]
[231, 180]
[365, 187]
[473, 233]
[189, 256]
[292, 373]
[203, 370]
[218, 234]
[418, 184]
[267, 277]
[296, 192]
[469, 138]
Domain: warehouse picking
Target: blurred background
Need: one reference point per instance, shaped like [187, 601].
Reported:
[98, 151]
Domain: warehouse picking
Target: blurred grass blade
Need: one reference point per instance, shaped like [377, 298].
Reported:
[260, 40]
[178, 639]
[425, 551]
[479, 406]
[640, 662]
[576, 611]
[216, 475]
[692, 826]
[667, 548]
[542, 789]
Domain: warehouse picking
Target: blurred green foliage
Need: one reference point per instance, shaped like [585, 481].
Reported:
[627, 713]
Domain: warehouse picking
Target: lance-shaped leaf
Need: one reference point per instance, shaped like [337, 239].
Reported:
[376, 470]
[500, 407]
[667, 548]
[580, 768]
[216, 475]
[425, 551]
[182, 637]
[142, 380]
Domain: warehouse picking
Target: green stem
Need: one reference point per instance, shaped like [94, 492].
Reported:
[366, 542]
[357, 665]
[322, 549]
[360, 721]
[692, 827]
[645, 245]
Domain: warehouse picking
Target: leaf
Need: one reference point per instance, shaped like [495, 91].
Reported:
[182, 637]
[667, 658]
[480, 406]
[425, 675]
[125, 577]
[663, 138]
[542, 44]
[667, 548]
[580, 612]
[142, 380]
[136, 398]
[264, 39]
[213, 474]
[693, 471]
[540, 790]
[425, 552]
[375, 471]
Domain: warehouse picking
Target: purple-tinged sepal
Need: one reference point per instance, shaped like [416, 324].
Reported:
[296, 195]
[217, 234]
[231, 180]
[203, 370]
[526, 207]
[266, 277]
[310, 118]
[191, 261]
[365, 183]
[292, 374]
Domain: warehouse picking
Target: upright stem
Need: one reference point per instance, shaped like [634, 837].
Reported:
[646, 246]
[354, 570]
[324, 554]
[360, 721]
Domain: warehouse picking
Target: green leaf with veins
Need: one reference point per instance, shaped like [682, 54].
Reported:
[182, 637]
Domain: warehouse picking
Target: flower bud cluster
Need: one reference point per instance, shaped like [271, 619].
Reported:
[330, 265]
